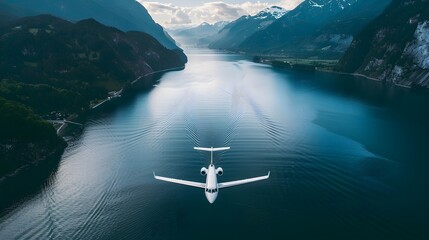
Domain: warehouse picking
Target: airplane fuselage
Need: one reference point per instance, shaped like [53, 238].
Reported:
[211, 189]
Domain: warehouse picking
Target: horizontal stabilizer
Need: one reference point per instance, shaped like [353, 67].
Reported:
[212, 149]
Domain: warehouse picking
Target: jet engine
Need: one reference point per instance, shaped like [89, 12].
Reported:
[219, 171]
[203, 171]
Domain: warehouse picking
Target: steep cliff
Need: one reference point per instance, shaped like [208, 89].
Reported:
[394, 47]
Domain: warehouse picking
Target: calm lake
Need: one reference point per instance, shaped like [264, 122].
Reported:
[349, 159]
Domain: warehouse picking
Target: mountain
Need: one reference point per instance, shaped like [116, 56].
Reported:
[315, 28]
[234, 33]
[394, 47]
[273, 12]
[202, 30]
[193, 36]
[221, 24]
[51, 64]
[126, 15]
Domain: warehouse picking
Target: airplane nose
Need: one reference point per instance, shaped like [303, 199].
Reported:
[211, 197]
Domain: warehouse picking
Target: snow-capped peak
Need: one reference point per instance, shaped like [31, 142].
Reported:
[274, 11]
[331, 3]
[314, 4]
[221, 24]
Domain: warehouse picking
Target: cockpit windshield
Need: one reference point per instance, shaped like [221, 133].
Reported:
[211, 190]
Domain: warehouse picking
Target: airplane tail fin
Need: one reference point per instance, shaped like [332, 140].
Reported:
[212, 149]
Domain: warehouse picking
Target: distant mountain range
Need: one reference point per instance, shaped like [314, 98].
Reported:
[316, 28]
[394, 47]
[234, 33]
[196, 36]
[126, 15]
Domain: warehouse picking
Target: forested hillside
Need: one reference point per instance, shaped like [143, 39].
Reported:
[54, 65]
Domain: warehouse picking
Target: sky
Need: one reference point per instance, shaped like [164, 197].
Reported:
[181, 13]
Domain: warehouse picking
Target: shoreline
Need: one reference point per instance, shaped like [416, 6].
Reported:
[155, 72]
[316, 69]
[64, 124]
[269, 62]
[270, 57]
[363, 76]
[58, 151]
[117, 94]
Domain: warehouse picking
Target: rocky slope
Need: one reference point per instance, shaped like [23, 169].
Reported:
[316, 28]
[126, 15]
[394, 47]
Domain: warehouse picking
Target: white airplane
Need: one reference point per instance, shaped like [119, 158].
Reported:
[211, 185]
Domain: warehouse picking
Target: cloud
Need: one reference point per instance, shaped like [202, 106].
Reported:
[216, 11]
[156, 7]
[289, 4]
[171, 16]
[180, 18]
[253, 8]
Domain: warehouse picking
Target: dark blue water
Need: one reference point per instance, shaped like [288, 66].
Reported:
[348, 160]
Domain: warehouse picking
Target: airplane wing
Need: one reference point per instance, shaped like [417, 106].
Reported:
[179, 181]
[243, 181]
